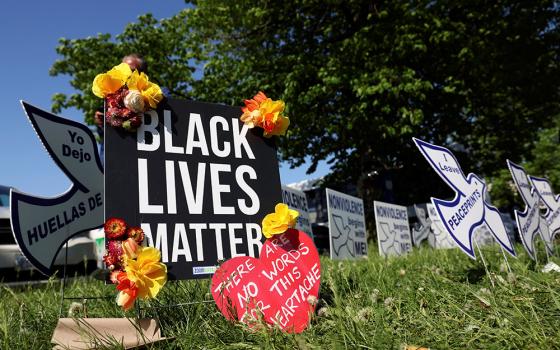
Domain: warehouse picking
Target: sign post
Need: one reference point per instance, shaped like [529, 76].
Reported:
[196, 180]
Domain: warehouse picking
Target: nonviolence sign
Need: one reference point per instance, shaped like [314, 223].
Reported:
[393, 232]
[347, 225]
[198, 182]
[297, 200]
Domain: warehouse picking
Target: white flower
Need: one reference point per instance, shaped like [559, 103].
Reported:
[134, 101]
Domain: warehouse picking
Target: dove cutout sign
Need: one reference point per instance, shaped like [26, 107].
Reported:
[393, 232]
[529, 221]
[469, 208]
[347, 226]
[41, 226]
[552, 203]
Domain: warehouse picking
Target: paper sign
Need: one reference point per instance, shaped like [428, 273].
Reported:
[297, 200]
[469, 209]
[197, 180]
[282, 285]
[423, 229]
[347, 226]
[552, 203]
[393, 233]
[41, 226]
[439, 238]
[529, 221]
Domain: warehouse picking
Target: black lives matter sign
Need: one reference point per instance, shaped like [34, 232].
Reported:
[196, 180]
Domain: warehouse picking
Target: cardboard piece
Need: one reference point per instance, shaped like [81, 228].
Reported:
[92, 333]
[197, 180]
[297, 200]
[347, 226]
[393, 232]
[41, 226]
[470, 207]
[282, 285]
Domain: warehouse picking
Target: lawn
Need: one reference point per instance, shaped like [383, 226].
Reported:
[433, 298]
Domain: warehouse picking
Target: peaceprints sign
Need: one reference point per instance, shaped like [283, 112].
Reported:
[529, 221]
[438, 238]
[393, 233]
[469, 209]
[347, 225]
[297, 200]
[551, 201]
[41, 226]
[198, 182]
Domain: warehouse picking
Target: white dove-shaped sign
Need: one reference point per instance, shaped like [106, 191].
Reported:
[551, 201]
[529, 221]
[41, 226]
[469, 208]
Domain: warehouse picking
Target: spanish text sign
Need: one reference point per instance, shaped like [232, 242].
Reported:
[347, 226]
[197, 180]
[393, 232]
[469, 209]
[41, 226]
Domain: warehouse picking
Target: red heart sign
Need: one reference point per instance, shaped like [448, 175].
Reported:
[276, 286]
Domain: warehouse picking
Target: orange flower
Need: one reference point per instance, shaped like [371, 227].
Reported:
[263, 112]
[128, 291]
[130, 248]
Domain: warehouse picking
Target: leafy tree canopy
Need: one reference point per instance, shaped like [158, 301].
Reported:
[359, 78]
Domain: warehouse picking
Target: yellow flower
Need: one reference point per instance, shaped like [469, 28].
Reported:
[138, 81]
[152, 95]
[278, 222]
[147, 272]
[107, 83]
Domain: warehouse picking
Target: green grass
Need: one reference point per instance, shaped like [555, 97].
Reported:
[434, 298]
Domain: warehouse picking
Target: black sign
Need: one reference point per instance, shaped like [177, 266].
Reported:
[198, 182]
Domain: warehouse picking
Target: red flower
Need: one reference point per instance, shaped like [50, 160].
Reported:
[114, 256]
[136, 233]
[115, 228]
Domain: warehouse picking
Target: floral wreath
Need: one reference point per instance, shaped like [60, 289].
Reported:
[128, 94]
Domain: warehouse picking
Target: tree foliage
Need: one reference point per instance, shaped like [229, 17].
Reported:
[359, 78]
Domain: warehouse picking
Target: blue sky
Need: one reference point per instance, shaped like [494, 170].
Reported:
[29, 35]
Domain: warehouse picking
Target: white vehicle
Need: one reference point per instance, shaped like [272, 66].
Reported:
[81, 248]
